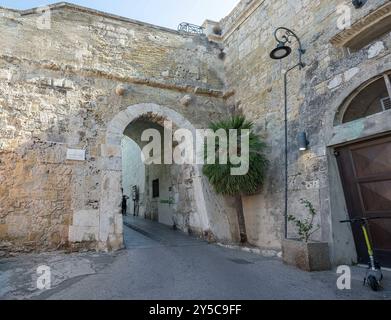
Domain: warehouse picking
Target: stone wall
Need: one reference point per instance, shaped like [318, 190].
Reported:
[314, 96]
[133, 174]
[79, 83]
[59, 89]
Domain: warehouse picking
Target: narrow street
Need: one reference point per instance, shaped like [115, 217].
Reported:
[159, 263]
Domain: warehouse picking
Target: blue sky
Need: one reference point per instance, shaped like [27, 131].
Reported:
[167, 13]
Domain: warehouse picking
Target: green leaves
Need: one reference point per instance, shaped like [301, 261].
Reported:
[220, 175]
[305, 227]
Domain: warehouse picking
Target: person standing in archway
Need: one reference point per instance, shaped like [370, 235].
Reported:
[124, 202]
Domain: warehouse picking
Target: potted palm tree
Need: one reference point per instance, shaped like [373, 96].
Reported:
[220, 176]
[304, 253]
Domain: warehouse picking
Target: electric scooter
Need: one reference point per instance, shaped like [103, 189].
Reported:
[374, 274]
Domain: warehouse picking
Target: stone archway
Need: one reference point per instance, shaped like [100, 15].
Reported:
[110, 217]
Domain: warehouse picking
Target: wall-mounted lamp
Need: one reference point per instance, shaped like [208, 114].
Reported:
[303, 141]
[283, 50]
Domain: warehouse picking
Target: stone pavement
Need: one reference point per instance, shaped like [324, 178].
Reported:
[159, 263]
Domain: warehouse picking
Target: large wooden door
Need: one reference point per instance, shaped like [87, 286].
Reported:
[365, 169]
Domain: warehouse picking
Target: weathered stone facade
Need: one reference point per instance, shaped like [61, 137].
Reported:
[315, 96]
[80, 83]
[59, 90]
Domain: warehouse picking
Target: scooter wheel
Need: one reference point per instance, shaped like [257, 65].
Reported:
[373, 283]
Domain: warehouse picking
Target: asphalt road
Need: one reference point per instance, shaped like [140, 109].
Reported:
[160, 263]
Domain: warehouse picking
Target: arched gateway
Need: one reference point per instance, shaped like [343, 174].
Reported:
[110, 217]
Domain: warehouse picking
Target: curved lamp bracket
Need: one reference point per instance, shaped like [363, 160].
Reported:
[286, 37]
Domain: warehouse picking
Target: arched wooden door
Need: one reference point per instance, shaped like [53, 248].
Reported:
[365, 169]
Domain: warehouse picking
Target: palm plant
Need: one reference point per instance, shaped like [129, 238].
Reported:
[220, 176]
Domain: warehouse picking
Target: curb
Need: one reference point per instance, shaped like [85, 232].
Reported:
[265, 253]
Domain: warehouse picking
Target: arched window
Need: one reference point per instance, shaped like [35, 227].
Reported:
[375, 97]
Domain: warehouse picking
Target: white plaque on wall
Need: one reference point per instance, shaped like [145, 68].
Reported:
[76, 154]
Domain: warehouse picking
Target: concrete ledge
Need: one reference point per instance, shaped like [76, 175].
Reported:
[363, 128]
[311, 256]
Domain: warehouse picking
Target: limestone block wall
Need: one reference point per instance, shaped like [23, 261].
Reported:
[59, 90]
[314, 96]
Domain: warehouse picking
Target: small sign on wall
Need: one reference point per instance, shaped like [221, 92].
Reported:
[76, 154]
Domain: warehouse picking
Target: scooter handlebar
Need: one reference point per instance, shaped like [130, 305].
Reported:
[364, 219]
